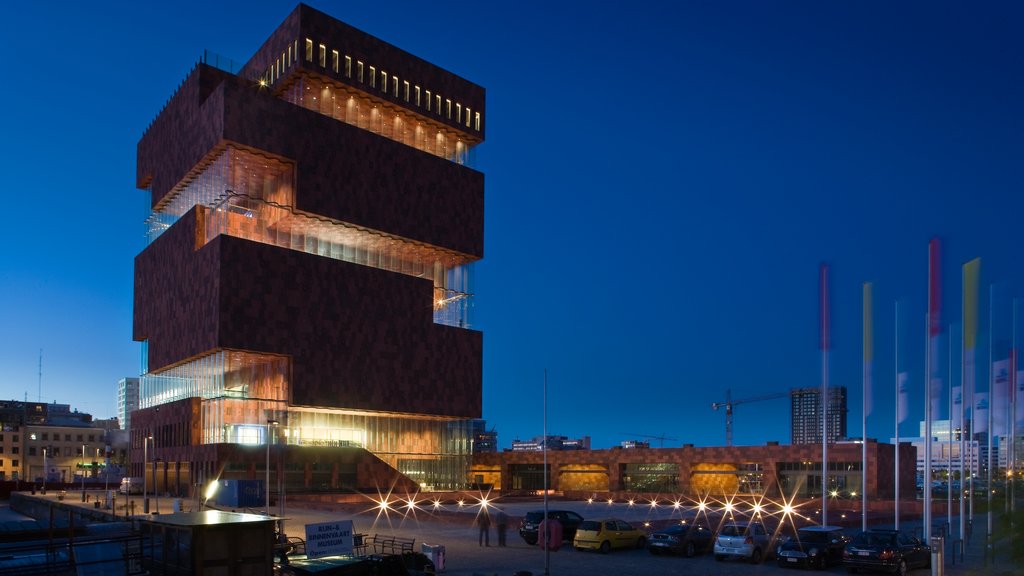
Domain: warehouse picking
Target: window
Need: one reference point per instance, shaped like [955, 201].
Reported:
[437, 100]
[1, 461]
[32, 436]
[67, 438]
[309, 50]
[417, 95]
[467, 116]
[92, 437]
[322, 56]
[428, 100]
[79, 438]
[14, 463]
[405, 84]
[348, 66]
[394, 86]
[383, 81]
[334, 60]
[448, 106]
[31, 450]
[373, 77]
[16, 438]
[1, 449]
[15, 450]
[458, 113]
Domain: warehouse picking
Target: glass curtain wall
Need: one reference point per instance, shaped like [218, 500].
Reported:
[258, 220]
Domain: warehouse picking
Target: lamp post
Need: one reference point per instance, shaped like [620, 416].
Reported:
[266, 488]
[145, 477]
[83, 472]
[44, 470]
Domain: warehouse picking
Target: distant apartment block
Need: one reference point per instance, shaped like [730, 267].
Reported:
[538, 443]
[127, 401]
[805, 415]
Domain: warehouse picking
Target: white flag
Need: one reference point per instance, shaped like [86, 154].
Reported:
[957, 417]
[979, 420]
[1001, 399]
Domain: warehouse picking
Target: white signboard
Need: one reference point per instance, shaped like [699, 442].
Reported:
[328, 539]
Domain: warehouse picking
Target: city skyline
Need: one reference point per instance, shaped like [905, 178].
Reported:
[661, 187]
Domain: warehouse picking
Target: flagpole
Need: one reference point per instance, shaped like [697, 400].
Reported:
[896, 420]
[991, 397]
[963, 425]
[547, 521]
[824, 392]
[927, 481]
[864, 410]
[949, 440]
[1012, 456]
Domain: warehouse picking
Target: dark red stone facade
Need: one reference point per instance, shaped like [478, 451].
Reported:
[358, 337]
[495, 468]
[342, 172]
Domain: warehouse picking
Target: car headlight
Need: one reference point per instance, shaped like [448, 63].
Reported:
[813, 552]
[778, 550]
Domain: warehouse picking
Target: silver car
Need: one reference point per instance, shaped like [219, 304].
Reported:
[750, 541]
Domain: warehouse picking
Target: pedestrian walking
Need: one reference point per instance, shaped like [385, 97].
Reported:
[483, 519]
[502, 524]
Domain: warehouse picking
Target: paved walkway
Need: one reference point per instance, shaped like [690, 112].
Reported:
[453, 526]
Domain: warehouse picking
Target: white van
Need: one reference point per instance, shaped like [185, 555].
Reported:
[131, 486]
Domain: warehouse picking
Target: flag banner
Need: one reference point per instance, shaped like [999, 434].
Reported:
[979, 421]
[969, 386]
[902, 400]
[1019, 402]
[1001, 397]
[956, 419]
[970, 280]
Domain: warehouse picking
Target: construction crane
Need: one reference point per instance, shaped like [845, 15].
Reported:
[729, 403]
[660, 437]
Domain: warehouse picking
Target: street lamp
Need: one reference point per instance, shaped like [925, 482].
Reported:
[145, 477]
[83, 472]
[267, 486]
[44, 470]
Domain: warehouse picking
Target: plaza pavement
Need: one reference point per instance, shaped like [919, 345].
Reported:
[453, 527]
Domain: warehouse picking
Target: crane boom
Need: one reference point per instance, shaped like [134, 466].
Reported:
[729, 403]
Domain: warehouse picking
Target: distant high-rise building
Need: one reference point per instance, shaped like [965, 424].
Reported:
[127, 400]
[553, 443]
[805, 415]
[484, 440]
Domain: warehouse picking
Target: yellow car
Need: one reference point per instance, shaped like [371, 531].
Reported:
[603, 535]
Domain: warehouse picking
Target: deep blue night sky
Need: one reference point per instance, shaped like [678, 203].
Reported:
[663, 180]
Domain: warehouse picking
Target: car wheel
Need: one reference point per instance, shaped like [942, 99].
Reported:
[901, 568]
[719, 557]
[640, 543]
[755, 557]
[690, 550]
[605, 547]
[531, 541]
[822, 562]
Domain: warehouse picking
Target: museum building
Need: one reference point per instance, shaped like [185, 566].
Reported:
[304, 297]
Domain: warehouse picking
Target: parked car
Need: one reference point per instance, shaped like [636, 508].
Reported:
[886, 550]
[750, 541]
[603, 535]
[567, 518]
[686, 539]
[813, 547]
[131, 486]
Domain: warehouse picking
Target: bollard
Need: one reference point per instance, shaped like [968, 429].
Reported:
[938, 555]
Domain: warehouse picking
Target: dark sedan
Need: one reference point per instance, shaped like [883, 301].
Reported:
[686, 539]
[813, 547]
[886, 551]
[569, 520]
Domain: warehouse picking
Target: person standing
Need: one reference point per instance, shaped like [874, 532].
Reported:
[502, 524]
[483, 519]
